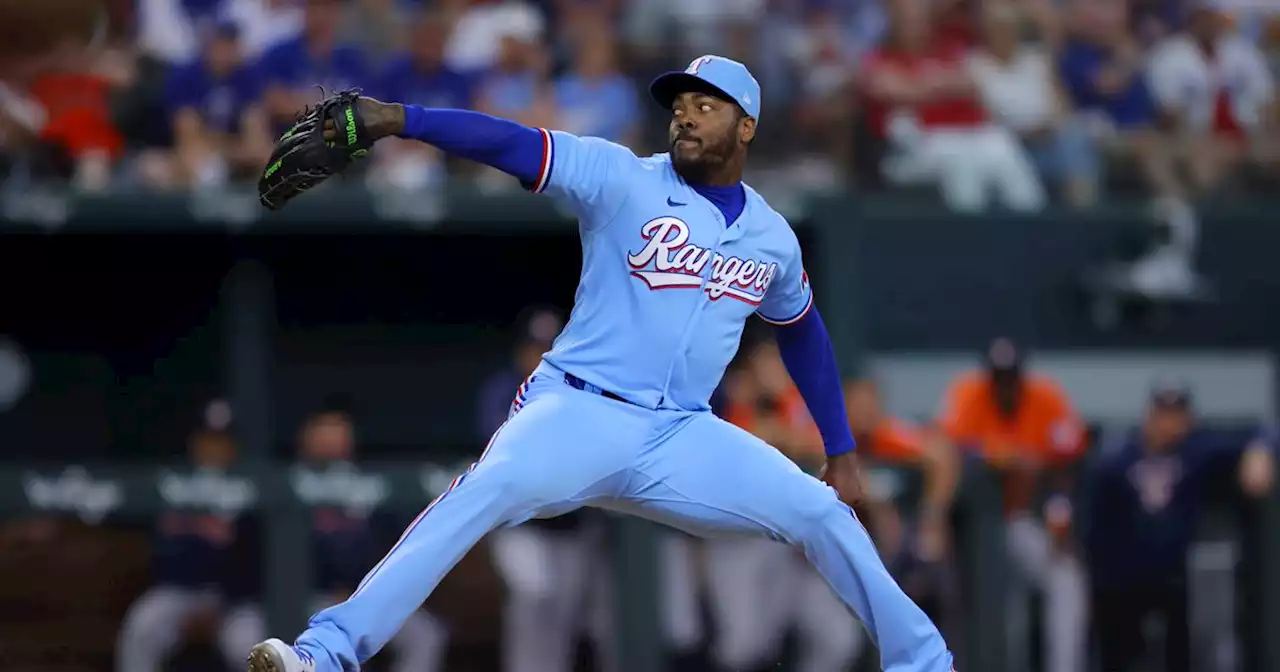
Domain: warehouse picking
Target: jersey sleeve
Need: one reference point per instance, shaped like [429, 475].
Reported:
[590, 174]
[789, 296]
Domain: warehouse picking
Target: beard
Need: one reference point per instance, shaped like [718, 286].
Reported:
[715, 154]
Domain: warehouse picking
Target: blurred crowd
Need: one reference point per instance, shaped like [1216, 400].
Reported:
[1019, 102]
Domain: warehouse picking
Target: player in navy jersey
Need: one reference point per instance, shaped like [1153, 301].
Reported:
[194, 569]
[678, 253]
[1148, 493]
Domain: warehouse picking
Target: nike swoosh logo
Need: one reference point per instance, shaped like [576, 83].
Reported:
[675, 204]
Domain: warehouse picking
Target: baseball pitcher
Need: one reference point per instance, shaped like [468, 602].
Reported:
[677, 254]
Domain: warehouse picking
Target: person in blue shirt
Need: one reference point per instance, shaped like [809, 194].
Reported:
[594, 98]
[1147, 494]
[420, 77]
[292, 70]
[219, 129]
[1103, 71]
[519, 86]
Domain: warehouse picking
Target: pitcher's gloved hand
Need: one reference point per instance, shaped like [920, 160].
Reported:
[324, 141]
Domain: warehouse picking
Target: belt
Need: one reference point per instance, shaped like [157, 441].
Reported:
[580, 384]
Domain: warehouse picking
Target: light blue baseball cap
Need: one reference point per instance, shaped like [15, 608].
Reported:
[717, 75]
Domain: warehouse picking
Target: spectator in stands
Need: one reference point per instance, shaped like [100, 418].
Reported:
[923, 103]
[574, 20]
[955, 22]
[1215, 94]
[705, 26]
[345, 544]
[759, 588]
[482, 29]
[264, 24]
[916, 548]
[77, 138]
[220, 130]
[379, 28]
[1019, 87]
[420, 77]
[1147, 496]
[1152, 20]
[594, 98]
[292, 69]
[192, 573]
[1023, 425]
[1102, 67]
[169, 30]
[520, 89]
[820, 50]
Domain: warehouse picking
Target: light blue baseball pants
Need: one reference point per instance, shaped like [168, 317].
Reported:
[563, 448]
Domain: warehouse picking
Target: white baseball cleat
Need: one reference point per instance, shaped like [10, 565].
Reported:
[274, 655]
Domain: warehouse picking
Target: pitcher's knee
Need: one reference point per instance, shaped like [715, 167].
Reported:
[509, 487]
[816, 518]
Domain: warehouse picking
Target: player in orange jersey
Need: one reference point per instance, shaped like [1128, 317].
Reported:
[1023, 425]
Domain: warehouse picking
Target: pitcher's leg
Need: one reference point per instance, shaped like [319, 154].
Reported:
[709, 477]
[562, 447]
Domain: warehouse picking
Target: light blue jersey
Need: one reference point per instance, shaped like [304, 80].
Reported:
[616, 416]
[667, 285]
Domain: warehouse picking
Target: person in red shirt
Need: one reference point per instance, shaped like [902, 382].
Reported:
[78, 127]
[921, 101]
[918, 72]
[1023, 425]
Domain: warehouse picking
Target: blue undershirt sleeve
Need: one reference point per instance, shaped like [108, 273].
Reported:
[513, 148]
[810, 358]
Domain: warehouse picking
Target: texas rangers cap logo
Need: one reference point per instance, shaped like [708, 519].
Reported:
[696, 64]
